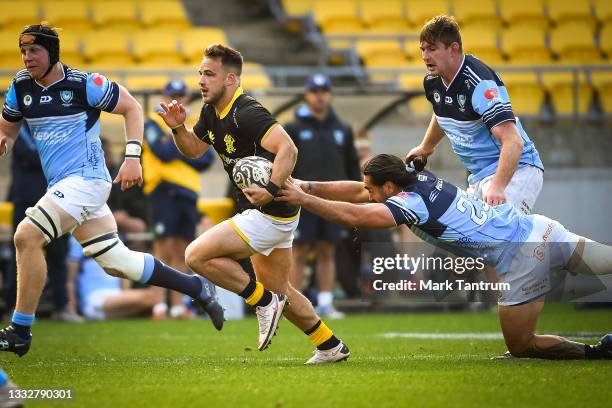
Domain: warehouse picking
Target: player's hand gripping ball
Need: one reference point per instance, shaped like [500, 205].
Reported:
[252, 171]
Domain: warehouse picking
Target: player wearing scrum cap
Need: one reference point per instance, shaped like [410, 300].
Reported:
[62, 106]
[237, 126]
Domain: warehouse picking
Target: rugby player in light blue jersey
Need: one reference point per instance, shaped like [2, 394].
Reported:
[472, 108]
[62, 108]
[522, 248]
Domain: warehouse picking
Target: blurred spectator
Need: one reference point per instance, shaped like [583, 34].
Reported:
[101, 295]
[172, 183]
[28, 185]
[130, 207]
[326, 153]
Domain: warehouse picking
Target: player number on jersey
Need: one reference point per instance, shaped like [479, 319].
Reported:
[478, 216]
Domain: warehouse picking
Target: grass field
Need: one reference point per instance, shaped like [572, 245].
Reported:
[141, 363]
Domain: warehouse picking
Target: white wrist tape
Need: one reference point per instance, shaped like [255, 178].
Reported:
[133, 149]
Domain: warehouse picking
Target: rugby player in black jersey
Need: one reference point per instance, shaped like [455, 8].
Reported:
[236, 125]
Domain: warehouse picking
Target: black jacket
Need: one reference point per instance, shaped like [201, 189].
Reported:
[326, 150]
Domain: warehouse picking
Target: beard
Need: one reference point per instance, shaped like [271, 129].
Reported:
[212, 99]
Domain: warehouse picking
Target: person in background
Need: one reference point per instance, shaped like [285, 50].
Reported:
[172, 184]
[326, 153]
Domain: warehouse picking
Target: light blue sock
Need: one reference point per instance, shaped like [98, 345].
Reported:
[3, 377]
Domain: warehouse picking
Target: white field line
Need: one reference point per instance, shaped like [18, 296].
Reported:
[473, 336]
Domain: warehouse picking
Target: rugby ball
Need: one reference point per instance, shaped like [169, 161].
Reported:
[252, 171]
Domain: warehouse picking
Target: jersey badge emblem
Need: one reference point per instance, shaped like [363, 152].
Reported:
[436, 96]
[229, 144]
[27, 100]
[211, 136]
[66, 97]
[461, 100]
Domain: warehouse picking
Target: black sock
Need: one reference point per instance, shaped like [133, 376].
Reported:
[329, 344]
[250, 289]
[166, 277]
[23, 331]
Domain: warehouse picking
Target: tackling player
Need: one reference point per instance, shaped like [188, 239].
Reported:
[472, 108]
[462, 222]
[238, 126]
[62, 106]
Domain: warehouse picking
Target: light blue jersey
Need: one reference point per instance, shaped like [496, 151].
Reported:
[475, 101]
[458, 221]
[64, 120]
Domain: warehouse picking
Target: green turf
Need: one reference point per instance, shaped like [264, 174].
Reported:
[167, 364]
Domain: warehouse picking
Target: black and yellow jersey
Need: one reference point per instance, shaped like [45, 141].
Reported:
[238, 132]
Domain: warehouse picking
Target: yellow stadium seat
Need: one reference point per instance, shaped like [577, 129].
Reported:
[157, 47]
[254, 76]
[160, 14]
[563, 11]
[419, 11]
[71, 52]
[297, 7]
[71, 15]
[523, 13]
[115, 14]
[5, 82]
[602, 81]
[573, 43]
[15, 15]
[605, 39]
[383, 53]
[135, 82]
[10, 56]
[413, 51]
[411, 82]
[420, 106]
[526, 94]
[107, 48]
[603, 10]
[384, 14]
[525, 45]
[561, 88]
[482, 42]
[337, 16]
[195, 40]
[480, 13]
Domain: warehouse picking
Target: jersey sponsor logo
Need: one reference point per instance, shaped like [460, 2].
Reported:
[339, 136]
[403, 195]
[461, 139]
[461, 100]
[436, 97]
[448, 100]
[228, 161]
[66, 97]
[45, 99]
[491, 93]
[51, 137]
[27, 100]
[98, 80]
[229, 144]
[74, 79]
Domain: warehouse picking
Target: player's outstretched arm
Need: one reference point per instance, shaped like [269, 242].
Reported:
[433, 135]
[373, 215]
[8, 134]
[188, 143]
[342, 190]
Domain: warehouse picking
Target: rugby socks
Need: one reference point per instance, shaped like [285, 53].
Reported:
[322, 336]
[22, 323]
[255, 294]
[159, 274]
[595, 353]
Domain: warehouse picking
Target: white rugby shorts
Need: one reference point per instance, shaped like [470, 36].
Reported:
[83, 199]
[522, 191]
[264, 233]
